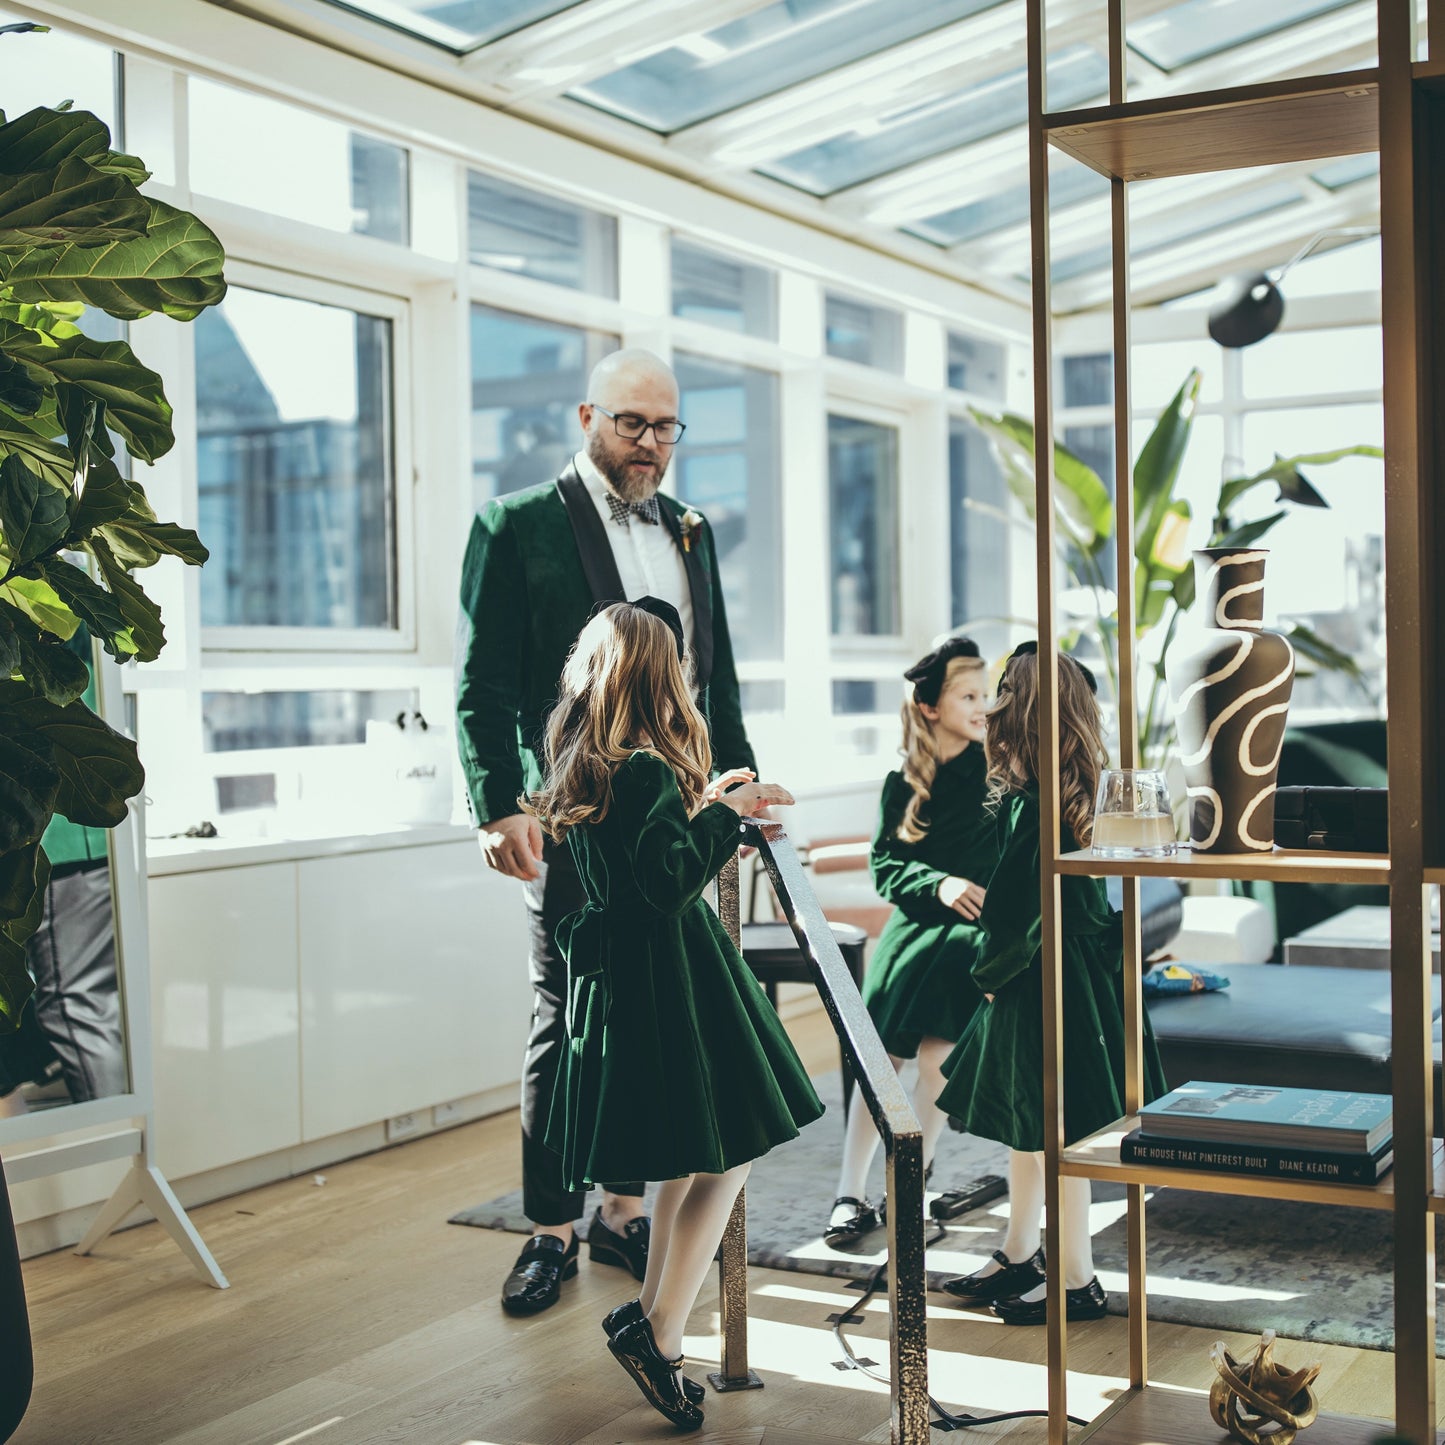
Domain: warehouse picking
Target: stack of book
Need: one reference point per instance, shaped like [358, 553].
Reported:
[1251, 1129]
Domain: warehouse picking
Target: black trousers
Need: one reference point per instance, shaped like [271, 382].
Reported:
[558, 892]
[74, 1018]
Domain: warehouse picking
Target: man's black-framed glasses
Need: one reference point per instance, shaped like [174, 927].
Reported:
[630, 426]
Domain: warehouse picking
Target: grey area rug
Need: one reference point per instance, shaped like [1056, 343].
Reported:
[1309, 1271]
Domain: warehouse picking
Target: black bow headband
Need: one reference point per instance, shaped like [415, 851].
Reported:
[1031, 647]
[927, 673]
[658, 607]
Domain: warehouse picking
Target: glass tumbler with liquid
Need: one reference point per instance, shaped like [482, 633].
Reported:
[1132, 815]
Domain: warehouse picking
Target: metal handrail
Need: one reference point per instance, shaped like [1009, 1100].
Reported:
[893, 1115]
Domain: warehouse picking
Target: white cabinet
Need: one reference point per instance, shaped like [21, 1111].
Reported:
[413, 983]
[224, 1016]
[297, 998]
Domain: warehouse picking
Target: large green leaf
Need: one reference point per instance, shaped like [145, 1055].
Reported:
[106, 497]
[47, 457]
[1081, 500]
[34, 515]
[29, 781]
[1157, 469]
[42, 138]
[175, 269]
[1284, 470]
[1250, 532]
[41, 603]
[98, 766]
[93, 605]
[19, 391]
[16, 985]
[142, 614]
[51, 212]
[51, 668]
[138, 543]
[108, 371]
[23, 876]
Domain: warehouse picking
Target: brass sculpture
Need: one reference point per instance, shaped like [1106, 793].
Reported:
[1258, 1401]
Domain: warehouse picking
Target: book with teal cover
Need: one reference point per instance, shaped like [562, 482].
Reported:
[1262, 1114]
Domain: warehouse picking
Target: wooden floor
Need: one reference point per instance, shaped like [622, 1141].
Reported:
[358, 1315]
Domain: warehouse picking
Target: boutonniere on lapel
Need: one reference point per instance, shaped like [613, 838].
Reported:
[691, 524]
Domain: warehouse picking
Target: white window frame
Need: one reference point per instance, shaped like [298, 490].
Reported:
[332, 640]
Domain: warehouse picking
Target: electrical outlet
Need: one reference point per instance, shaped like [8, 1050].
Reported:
[448, 1113]
[401, 1127]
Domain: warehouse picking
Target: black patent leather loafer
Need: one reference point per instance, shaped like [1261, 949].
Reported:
[629, 1314]
[1086, 1303]
[635, 1349]
[863, 1220]
[627, 1250]
[536, 1278]
[1007, 1282]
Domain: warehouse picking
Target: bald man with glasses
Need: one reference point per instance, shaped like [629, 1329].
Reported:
[538, 563]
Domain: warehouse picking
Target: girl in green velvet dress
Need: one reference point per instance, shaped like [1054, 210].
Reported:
[677, 1068]
[995, 1076]
[933, 852]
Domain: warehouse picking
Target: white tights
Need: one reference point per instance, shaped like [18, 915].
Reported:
[688, 1219]
[860, 1138]
[1025, 1211]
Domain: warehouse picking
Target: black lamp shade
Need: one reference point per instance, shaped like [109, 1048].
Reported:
[1247, 308]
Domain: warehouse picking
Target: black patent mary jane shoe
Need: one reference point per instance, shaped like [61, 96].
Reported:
[863, 1220]
[536, 1278]
[1089, 1302]
[636, 1351]
[627, 1250]
[629, 1314]
[1007, 1282]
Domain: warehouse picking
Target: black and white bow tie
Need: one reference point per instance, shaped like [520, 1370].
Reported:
[623, 512]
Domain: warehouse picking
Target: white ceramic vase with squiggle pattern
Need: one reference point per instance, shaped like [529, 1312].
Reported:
[1230, 681]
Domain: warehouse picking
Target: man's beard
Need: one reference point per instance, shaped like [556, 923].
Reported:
[627, 486]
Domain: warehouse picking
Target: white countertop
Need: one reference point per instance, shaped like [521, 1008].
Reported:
[193, 855]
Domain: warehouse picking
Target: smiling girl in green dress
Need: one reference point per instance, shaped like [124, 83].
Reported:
[932, 855]
[677, 1068]
[995, 1076]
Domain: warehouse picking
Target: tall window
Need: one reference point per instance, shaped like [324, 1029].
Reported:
[528, 378]
[979, 537]
[863, 527]
[869, 335]
[527, 233]
[727, 467]
[280, 158]
[977, 366]
[707, 286]
[294, 459]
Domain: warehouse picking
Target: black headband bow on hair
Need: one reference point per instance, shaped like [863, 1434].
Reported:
[1031, 647]
[663, 610]
[927, 673]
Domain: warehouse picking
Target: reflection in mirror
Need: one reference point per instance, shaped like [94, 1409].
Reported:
[70, 1045]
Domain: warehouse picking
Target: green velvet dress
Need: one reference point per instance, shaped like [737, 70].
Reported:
[995, 1075]
[676, 1062]
[920, 978]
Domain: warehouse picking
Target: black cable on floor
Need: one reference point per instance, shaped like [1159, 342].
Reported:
[946, 1421]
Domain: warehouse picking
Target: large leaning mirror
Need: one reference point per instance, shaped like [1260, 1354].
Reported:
[71, 1044]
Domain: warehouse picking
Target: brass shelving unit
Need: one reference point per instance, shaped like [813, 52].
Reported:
[1399, 109]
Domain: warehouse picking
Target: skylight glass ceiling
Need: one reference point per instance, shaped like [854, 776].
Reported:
[1184, 225]
[1007, 208]
[458, 25]
[1347, 170]
[1198, 29]
[912, 133]
[704, 74]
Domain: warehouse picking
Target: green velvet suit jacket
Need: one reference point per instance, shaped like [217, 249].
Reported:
[537, 563]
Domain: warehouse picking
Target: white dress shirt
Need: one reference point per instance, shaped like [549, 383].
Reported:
[648, 560]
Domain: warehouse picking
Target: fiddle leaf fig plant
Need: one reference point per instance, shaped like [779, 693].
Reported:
[76, 232]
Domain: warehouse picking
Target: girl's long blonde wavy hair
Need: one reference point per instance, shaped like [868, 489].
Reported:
[1013, 740]
[622, 689]
[920, 752]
